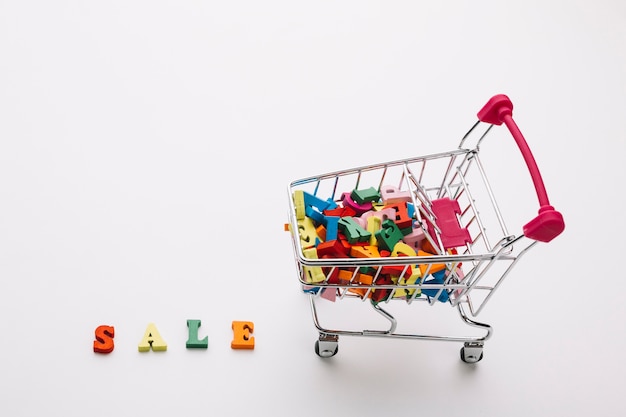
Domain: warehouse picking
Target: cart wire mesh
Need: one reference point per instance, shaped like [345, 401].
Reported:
[425, 229]
[471, 273]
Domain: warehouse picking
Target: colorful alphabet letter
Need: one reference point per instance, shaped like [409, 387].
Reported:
[152, 339]
[104, 339]
[242, 338]
[192, 341]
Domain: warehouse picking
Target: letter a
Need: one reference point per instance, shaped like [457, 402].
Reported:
[152, 339]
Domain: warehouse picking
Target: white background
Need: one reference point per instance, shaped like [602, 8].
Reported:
[145, 150]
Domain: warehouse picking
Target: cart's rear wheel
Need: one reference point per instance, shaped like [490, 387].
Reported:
[327, 346]
[471, 354]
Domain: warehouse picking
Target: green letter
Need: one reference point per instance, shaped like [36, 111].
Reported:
[193, 341]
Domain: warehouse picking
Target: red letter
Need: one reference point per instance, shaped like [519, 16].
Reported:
[104, 339]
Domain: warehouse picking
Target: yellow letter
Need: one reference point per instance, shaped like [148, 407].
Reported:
[152, 339]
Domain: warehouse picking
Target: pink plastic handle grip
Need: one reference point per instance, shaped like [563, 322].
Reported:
[549, 223]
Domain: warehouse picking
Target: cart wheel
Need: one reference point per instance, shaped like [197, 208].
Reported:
[471, 354]
[327, 346]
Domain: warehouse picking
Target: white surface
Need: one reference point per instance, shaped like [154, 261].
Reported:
[145, 149]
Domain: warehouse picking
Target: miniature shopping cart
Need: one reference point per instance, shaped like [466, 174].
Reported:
[425, 229]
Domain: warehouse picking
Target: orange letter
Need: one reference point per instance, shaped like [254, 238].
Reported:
[242, 338]
[104, 339]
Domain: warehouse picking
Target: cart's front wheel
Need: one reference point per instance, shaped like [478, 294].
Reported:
[327, 346]
[472, 353]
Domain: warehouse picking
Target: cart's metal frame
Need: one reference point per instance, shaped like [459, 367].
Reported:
[477, 268]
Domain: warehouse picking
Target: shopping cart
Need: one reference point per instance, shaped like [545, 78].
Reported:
[424, 229]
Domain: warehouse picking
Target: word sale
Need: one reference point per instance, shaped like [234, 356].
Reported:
[242, 338]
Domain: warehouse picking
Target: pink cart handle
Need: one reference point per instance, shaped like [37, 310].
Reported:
[549, 223]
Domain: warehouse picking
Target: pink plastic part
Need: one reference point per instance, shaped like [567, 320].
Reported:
[549, 223]
[546, 226]
[452, 234]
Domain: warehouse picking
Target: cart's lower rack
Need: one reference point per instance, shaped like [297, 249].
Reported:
[327, 344]
[438, 278]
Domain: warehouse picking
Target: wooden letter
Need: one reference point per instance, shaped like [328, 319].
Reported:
[242, 338]
[193, 341]
[104, 339]
[152, 339]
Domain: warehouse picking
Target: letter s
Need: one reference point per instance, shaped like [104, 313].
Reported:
[104, 339]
